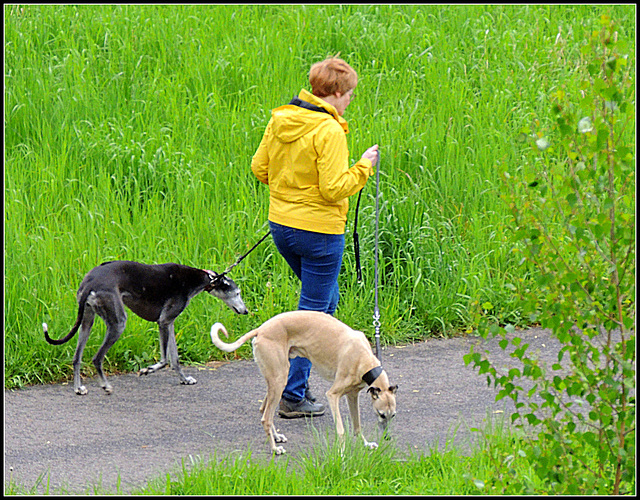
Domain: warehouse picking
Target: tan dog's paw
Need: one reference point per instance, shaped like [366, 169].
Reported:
[370, 445]
[280, 438]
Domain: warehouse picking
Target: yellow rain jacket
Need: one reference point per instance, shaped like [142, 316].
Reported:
[304, 159]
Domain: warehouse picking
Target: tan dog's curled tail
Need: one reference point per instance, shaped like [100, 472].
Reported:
[223, 346]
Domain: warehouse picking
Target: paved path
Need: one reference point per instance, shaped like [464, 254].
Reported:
[150, 424]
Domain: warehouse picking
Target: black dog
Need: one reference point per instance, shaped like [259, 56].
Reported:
[157, 293]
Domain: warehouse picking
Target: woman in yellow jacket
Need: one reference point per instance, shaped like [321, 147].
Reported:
[304, 159]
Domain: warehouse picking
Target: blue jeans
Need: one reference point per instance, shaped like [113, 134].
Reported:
[315, 258]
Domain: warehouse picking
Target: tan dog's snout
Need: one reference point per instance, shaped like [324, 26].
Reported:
[384, 402]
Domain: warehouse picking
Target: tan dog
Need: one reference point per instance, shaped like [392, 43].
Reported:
[339, 354]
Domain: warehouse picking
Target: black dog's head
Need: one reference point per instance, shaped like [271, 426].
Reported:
[227, 291]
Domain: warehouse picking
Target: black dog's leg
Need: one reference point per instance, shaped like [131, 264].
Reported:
[168, 347]
[83, 336]
[172, 354]
[164, 338]
[110, 308]
[168, 353]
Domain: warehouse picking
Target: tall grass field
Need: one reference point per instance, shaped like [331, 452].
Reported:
[129, 132]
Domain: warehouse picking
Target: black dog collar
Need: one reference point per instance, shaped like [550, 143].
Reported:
[372, 375]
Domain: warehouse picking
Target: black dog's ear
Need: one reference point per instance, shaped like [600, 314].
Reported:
[374, 391]
[212, 279]
[215, 280]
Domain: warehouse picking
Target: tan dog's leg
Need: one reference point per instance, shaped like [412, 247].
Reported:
[274, 366]
[333, 397]
[268, 415]
[278, 438]
[354, 410]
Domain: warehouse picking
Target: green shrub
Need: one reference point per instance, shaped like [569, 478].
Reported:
[575, 225]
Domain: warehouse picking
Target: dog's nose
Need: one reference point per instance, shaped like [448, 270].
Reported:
[240, 309]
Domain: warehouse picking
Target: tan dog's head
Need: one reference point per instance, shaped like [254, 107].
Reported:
[383, 398]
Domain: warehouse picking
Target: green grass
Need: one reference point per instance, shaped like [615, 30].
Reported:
[325, 469]
[129, 132]
[499, 460]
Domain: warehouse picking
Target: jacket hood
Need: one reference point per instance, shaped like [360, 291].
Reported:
[290, 122]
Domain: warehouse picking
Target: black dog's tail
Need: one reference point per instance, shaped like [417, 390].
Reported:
[73, 331]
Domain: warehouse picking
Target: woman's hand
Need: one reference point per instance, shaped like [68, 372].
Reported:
[372, 154]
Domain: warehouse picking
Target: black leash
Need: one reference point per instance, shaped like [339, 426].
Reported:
[247, 253]
[356, 240]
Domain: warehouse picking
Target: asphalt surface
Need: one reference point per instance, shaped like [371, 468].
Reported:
[151, 425]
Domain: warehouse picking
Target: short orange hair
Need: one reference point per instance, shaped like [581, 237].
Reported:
[330, 76]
